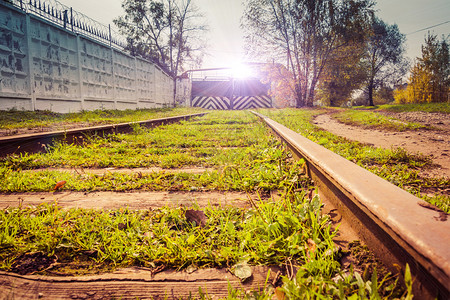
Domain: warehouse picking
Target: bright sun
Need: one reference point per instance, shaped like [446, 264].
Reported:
[241, 71]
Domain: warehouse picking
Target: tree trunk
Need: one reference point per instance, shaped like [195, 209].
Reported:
[370, 88]
[310, 102]
[174, 91]
[298, 96]
[312, 93]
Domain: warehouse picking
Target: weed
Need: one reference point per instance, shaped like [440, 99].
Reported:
[309, 283]
[125, 237]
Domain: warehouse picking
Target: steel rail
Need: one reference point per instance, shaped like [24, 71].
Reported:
[387, 218]
[39, 142]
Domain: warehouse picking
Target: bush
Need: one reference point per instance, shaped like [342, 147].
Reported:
[401, 96]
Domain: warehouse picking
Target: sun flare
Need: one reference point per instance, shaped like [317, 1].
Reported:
[241, 71]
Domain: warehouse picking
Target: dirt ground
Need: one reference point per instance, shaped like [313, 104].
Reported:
[434, 143]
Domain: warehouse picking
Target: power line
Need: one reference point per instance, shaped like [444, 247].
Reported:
[429, 27]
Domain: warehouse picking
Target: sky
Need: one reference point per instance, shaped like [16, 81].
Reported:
[225, 37]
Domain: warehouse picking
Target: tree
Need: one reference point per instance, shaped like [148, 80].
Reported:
[282, 84]
[429, 80]
[343, 74]
[305, 33]
[165, 31]
[435, 61]
[384, 56]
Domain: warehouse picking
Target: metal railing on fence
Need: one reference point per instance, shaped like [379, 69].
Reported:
[66, 17]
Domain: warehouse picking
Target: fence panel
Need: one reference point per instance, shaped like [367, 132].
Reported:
[14, 65]
[47, 64]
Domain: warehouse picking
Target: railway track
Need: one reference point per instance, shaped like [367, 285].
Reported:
[385, 217]
[38, 142]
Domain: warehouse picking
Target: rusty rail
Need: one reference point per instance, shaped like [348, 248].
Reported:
[37, 142]
[387, 218]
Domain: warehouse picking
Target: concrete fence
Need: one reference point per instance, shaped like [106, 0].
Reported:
[46, 67]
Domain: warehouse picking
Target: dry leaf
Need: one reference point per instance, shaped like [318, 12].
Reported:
[311, 248]
[196, 216]
[280, 294]
[59, 185]
[122, 226]
[242, 270]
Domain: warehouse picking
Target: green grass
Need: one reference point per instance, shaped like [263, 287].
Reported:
[292, 230]
[395, 165]
[425, 107]
[266, 235]
[234, 145]
[193, 142]
[260, 177]
[242, 156]
[14, 119]
[371, 119]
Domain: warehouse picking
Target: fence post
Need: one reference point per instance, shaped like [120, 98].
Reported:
[31, 79]
[136, 85]
[113, 78]
[114, 81]
[65, 18]
[80, 72]
[71, 18]
[110, 37]
[155, 85]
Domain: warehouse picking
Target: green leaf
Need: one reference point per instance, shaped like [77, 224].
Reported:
[191, 239]
[242, 270]
[408, 283]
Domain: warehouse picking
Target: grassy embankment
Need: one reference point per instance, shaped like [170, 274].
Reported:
[425, 107]
[372, 117]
